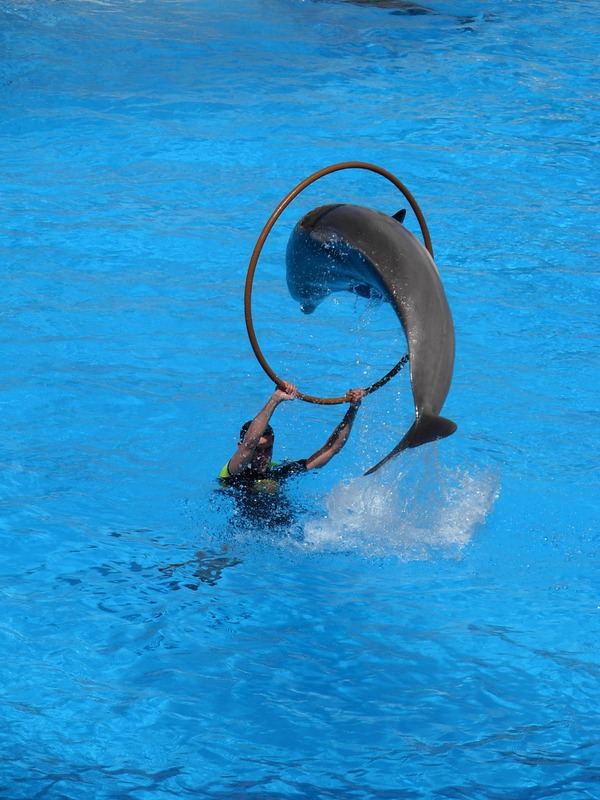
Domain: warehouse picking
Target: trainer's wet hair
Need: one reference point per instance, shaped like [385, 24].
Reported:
[244, 430]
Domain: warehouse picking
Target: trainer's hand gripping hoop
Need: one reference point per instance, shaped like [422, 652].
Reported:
[263, 238]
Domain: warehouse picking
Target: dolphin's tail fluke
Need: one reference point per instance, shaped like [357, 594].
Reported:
[428, 428]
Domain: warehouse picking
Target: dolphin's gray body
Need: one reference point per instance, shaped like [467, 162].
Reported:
[350, 248]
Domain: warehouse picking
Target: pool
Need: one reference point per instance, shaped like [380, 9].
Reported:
[428, 632]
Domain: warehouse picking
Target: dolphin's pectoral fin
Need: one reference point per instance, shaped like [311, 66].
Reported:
[428, 428]
[366, 290]
[399, 215]
[361, 290]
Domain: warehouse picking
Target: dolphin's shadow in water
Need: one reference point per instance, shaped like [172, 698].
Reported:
[209, 566]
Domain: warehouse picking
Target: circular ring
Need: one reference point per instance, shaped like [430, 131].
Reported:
[262, 239]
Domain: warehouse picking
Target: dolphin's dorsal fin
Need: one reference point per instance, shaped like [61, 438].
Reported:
[399, 215]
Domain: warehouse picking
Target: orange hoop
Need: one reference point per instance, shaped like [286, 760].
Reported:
[262, 239]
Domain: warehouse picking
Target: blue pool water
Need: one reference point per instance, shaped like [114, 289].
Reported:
[428, 632]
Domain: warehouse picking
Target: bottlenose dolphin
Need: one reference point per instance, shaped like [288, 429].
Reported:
[344, 247]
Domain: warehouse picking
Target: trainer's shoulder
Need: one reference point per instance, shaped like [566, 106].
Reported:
[288, 468]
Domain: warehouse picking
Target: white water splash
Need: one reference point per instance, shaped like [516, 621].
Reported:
[411, 508]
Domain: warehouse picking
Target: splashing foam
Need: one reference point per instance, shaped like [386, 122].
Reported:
[413, 508]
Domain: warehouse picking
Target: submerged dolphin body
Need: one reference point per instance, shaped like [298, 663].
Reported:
[344, 247]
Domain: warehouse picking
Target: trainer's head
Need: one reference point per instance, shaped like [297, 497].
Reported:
[244, 430]
[263, 452]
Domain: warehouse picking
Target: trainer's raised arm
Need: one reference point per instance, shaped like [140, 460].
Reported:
[339, 437]
[256, 430]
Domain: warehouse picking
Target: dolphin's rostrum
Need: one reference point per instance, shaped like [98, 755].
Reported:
[345, 247]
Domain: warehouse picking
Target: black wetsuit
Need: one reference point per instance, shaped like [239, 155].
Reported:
[258, 496]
